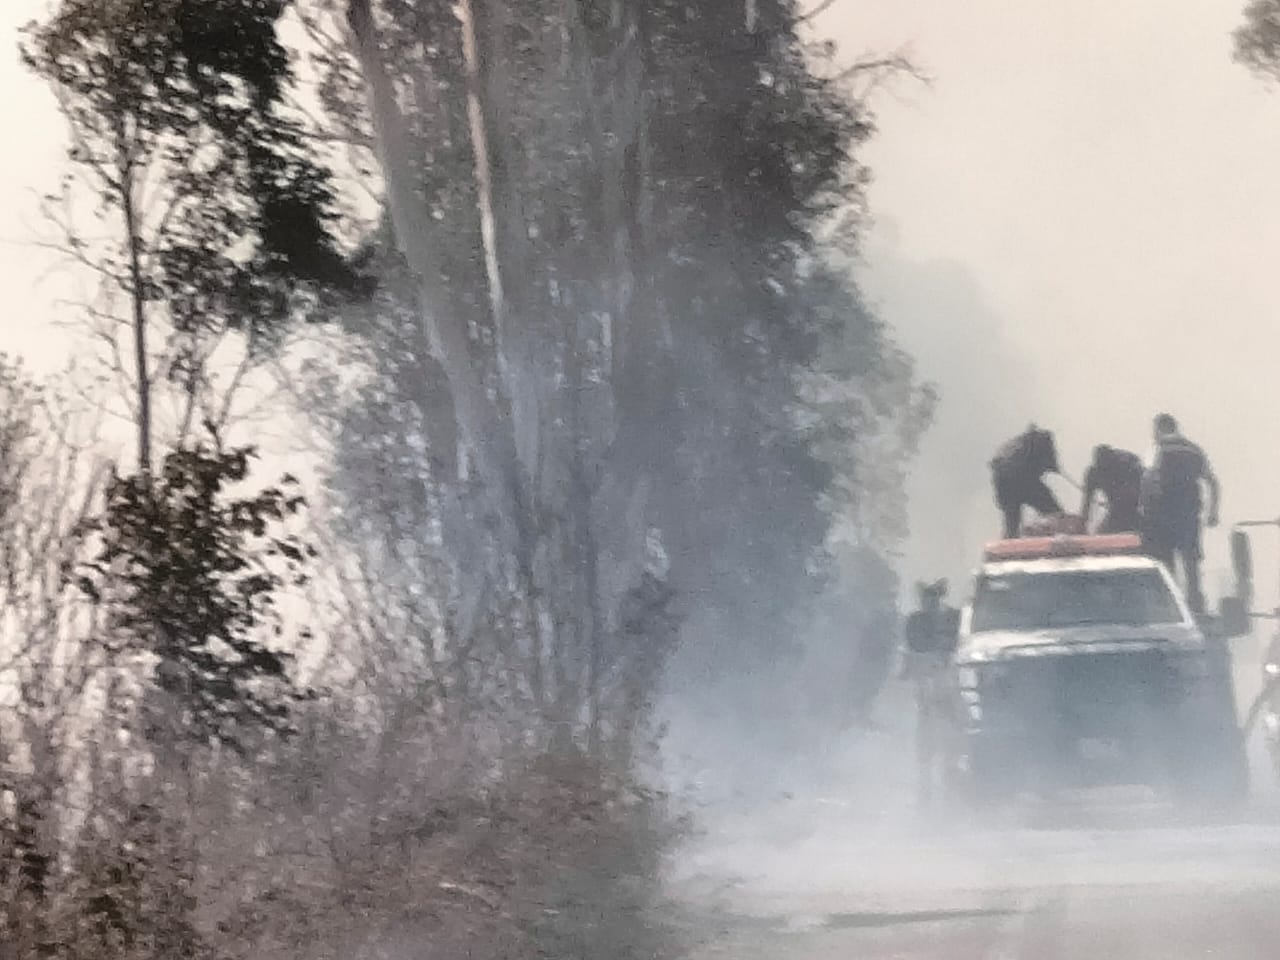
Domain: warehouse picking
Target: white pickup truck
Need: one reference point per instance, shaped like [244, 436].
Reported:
[1078, 664]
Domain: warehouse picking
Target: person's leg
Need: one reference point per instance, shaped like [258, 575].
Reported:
[1012, 515]
[1010, 504]
[925, 746]
[1190, 550]
[1159, 544]
[1120, 521]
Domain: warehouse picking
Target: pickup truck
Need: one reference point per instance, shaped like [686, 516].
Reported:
[1078, 664]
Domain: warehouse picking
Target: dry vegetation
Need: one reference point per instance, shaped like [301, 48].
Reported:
[406, 809]
[583, 367]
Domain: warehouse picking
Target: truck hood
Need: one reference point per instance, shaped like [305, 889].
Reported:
[1109, 638]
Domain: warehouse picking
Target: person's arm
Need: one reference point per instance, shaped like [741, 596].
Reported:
[1152, 461]
[1215, 491]
[1090, 489]
[1051, 454]
[1151, 480]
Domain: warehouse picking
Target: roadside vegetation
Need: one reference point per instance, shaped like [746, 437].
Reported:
[552, 287]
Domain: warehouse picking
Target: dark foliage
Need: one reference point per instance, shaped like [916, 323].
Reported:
[190, 574]
[1257, 40]
[707, 264]
[178, 109]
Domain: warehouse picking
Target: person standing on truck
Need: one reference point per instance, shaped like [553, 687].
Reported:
[1172, 504]
[1117, 475]
[1017, 473]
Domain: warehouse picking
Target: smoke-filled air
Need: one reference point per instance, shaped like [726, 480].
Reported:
[622, 480]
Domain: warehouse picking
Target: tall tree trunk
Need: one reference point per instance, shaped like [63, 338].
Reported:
[137, 295]
[616, 104]
[482, 430]
[484, 183]
[483, 419]
[494, 135]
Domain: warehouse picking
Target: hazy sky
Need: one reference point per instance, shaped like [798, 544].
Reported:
[1108, 179]
[1099, 177]
[29, 165]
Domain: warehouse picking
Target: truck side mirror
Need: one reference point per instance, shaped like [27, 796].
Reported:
[1242, 566]
[1233, 617]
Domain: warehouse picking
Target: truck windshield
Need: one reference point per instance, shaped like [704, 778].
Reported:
[1069, 598]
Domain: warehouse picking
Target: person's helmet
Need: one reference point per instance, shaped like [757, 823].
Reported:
[1104, 454]
[931, 593]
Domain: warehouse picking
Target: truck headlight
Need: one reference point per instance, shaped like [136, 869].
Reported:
[982, 675]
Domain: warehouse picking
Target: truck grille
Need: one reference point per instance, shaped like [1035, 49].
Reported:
[1082, 695]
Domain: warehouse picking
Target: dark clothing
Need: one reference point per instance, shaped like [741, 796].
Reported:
[1167, 542]
[1017, 473]
[1171, 510]
[1013, 493]
[1118, 476]
[1179, 467]
[1032, 453]
[933, 631]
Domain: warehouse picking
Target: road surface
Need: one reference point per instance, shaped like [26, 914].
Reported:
[1138, 893]
[814, 875]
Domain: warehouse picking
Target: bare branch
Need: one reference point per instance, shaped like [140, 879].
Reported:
[821, 8]
[899, 62]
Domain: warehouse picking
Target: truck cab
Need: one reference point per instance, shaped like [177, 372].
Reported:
[1078, 663]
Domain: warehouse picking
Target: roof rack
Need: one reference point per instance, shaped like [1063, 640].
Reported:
[1064, 545]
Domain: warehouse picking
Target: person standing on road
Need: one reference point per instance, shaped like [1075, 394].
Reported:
[1172, 504]
[931, 634]
[1017, 472]
[1117, 475]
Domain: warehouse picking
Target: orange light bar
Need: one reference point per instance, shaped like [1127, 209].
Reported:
[1038, 548]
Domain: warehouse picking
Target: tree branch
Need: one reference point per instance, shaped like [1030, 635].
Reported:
[816, 11]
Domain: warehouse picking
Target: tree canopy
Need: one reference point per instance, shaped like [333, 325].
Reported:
[606, 413]
[1257, 40]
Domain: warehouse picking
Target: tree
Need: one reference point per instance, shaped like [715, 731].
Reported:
[134, 888]
[609, 288]
[48, 486]
[610, 395]
[189, 578]
[219, 218]
[1257, 40]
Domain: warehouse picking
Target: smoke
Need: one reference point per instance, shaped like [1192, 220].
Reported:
[824, 716]
[941, 315]
[765, 735]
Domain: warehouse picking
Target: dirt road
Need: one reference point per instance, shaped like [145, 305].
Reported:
[1097, 923]
[1119, 891]
[837, 866]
